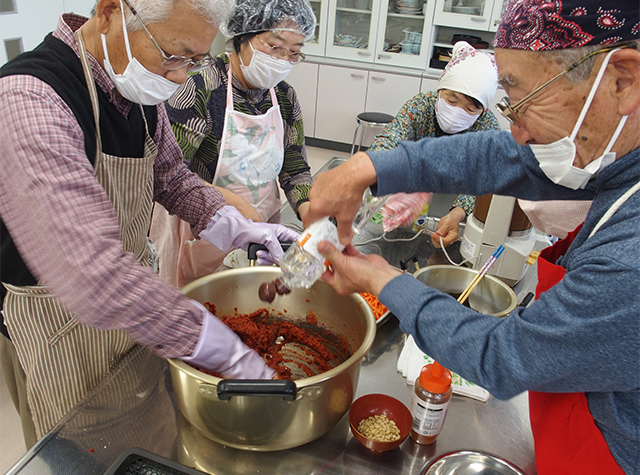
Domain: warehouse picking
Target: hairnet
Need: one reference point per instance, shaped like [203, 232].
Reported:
[537, 26]
[252, 16]
[471, 72]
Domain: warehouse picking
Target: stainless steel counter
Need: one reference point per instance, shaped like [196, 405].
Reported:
[135, 407]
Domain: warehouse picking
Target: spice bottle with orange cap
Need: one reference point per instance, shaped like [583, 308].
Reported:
[430, 402]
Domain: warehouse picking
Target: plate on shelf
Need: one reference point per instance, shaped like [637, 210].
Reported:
[466, 10]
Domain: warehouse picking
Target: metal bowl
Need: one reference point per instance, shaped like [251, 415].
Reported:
[467, 462]
[491, 295]
[380, 404]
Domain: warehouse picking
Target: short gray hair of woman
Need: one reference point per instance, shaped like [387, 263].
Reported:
[216, 12]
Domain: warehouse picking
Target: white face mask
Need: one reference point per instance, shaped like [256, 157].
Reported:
[265, 71]
[556, 159]
[452, 119]
[137, 83]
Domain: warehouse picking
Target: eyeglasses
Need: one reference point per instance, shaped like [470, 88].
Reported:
[173, 62]
[281, 52]
[512, 112]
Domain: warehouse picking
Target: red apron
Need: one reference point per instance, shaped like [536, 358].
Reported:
[566, 438]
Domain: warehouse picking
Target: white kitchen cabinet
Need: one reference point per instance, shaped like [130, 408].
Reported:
[467, 14]
[388, 92]
[343, 93]
[316, 44]
[403, 38]
[341, 97]
[304, 79]
[352, 29]
[380, 31]
[428, 85]
[499, 7]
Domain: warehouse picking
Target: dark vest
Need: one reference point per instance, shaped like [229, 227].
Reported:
[55, 63]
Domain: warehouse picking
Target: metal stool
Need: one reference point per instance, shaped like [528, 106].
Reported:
[369, 119]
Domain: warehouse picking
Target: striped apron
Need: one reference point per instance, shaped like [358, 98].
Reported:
[62, 358]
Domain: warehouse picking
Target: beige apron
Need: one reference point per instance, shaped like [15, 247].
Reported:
[62, 358]
[250, 159]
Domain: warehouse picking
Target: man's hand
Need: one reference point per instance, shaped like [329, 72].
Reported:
[338, 193]
[351, 271]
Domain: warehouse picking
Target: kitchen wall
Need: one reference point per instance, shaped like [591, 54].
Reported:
[24, 23]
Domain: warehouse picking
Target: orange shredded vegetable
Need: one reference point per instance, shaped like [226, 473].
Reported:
[378, 309]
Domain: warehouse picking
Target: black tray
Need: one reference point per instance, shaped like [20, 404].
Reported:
[140, 462]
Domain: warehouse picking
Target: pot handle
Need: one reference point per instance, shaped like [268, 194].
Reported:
[254, 247]
[404, 263]
[227, 388]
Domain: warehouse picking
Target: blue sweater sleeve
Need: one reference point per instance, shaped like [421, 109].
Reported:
[475, 164]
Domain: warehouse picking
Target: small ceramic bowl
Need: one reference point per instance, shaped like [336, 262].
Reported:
[380, 404]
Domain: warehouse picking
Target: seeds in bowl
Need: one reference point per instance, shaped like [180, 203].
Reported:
[379, 428]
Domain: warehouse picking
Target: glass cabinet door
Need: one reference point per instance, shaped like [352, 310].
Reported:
[498, 10]
[315, 45]
[352, 26]
[469, 14]
[405, 39]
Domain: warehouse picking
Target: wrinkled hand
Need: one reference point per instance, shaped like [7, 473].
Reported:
[448, 228]
[220, 349]
[351, 271]
[228, 228]
[338, 193]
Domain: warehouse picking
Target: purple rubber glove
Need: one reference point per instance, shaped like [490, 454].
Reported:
[220, 349]
[228, 228]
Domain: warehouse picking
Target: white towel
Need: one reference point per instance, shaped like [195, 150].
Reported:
[412, 360]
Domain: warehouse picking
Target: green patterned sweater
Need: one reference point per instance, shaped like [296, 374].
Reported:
[417, 120]
[197, 112]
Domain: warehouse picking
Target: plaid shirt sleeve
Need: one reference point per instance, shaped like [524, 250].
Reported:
[177, 188]
[67, 231]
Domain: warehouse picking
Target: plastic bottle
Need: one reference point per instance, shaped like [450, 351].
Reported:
[430, 402]
[302, 264]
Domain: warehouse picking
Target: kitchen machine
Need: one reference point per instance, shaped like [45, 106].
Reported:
[498, 220]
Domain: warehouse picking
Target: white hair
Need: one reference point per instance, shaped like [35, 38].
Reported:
[566, 57]
[216, 12]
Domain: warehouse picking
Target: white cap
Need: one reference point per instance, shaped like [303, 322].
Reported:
[471, 72]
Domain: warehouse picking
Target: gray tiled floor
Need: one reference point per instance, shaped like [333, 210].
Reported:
[11, 442]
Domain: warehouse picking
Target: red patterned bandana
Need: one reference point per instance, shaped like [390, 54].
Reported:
[540, 25]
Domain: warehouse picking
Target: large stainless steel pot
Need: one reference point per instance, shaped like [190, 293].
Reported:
[491, 296]
[274, 415]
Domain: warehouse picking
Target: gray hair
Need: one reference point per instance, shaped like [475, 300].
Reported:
[566, 57]
[216, 12]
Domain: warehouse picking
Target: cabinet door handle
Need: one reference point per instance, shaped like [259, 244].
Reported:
[364, 53]
[378, 78]
[357, 76]
[384, 56]
[478, 19]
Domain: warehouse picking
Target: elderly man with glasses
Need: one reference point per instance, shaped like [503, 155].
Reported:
[86, 148]
[571, 71]
[239, 125]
